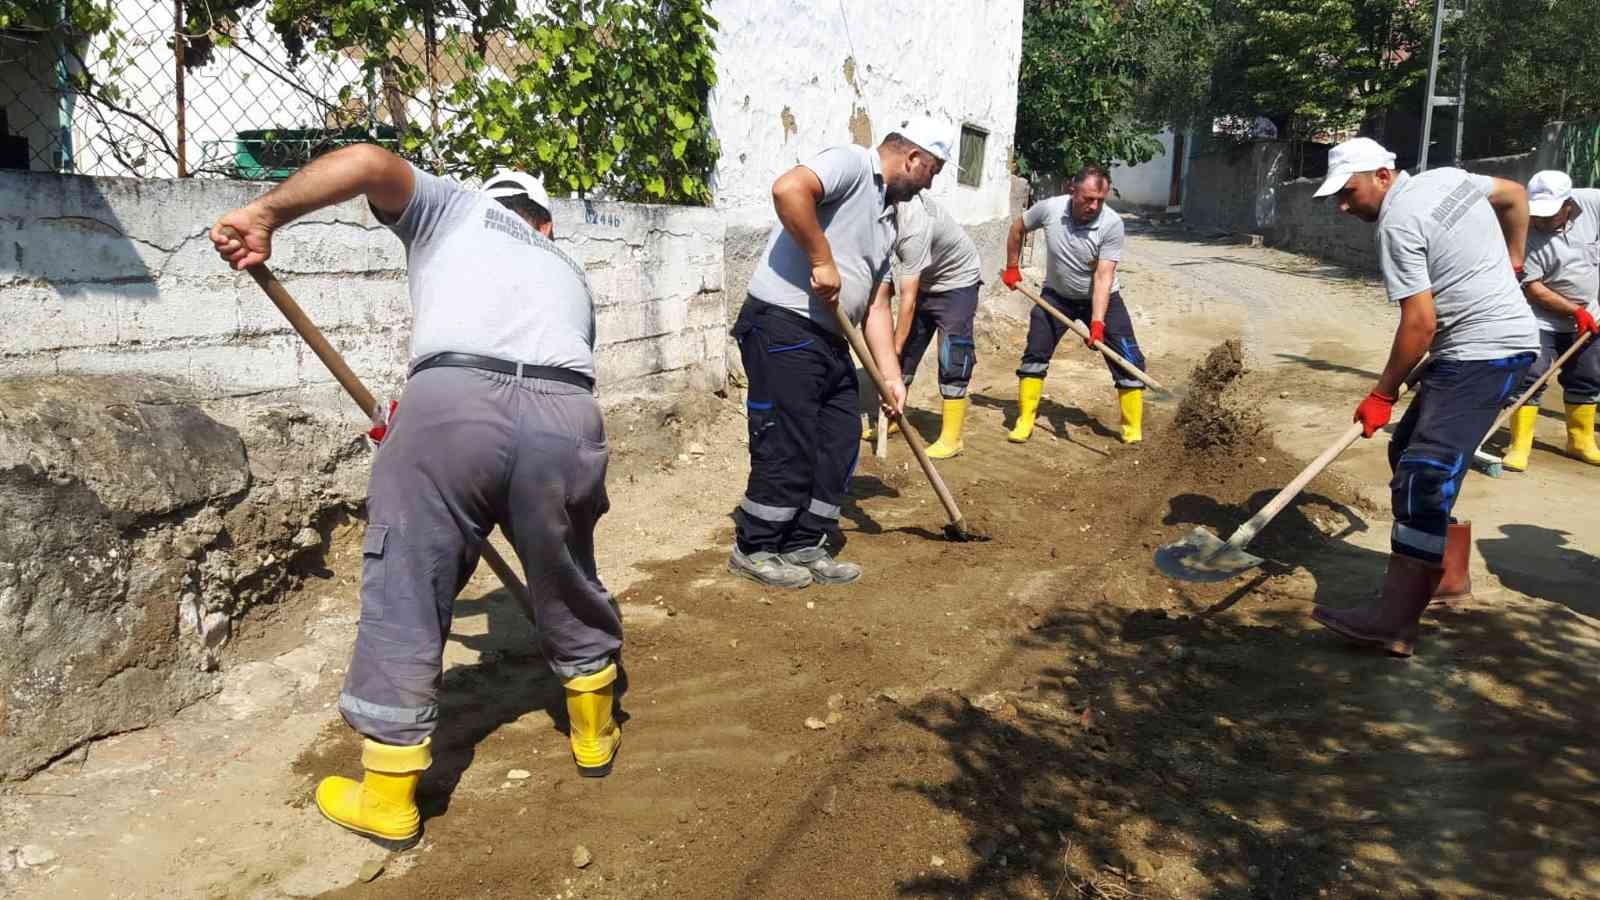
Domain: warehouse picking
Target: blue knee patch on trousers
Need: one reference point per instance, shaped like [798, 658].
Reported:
[957, 356]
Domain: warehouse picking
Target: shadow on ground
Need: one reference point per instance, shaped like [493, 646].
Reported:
[1277, 763]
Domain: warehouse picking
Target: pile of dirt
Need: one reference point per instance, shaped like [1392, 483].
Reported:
[1210, 418]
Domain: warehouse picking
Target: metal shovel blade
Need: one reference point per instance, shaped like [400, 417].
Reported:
[1202, 556]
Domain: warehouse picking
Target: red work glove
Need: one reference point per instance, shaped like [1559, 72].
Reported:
[1586, 323]
[1374, 413]
[1097, 334]
[379, 432]
[1011, 277]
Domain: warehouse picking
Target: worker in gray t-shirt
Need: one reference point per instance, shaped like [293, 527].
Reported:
[830, 249]
[498, 426]
[1083, 244]
[1561, 278]
[1450, 245]
[936, 266]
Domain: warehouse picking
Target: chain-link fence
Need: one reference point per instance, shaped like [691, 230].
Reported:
[171, 100]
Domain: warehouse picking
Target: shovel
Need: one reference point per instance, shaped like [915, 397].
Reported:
[956, 530]
[1082, 332]
[1202, 556]
[1491, 464]
[358, 392]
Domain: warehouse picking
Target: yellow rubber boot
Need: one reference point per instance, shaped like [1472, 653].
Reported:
[949, 442]
[1028, 393]
[382, 805]
[1580, 434]
[869, 431]
[1516, 458]
[1132, 402]
[594, 733]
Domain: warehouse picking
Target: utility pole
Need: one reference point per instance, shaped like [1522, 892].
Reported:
[1431, 100]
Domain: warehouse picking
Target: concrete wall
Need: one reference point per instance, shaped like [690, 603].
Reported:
[1242, 190]
[112, 275]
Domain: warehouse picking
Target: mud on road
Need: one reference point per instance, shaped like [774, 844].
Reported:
[1041, 715]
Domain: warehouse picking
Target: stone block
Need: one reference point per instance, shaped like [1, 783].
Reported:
[85, 317]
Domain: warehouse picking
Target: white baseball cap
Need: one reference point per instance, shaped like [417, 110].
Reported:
[1548, 191]
[929, 134]
[508, 183]
[1353, 157]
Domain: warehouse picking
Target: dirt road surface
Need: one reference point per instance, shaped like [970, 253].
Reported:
[1042, 715]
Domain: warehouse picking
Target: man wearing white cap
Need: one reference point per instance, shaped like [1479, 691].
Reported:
[499, 427]
[938, 274]
[831, 247]
[1450, 246]
[1561, 279]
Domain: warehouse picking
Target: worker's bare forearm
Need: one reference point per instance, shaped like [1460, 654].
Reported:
[1411, 343]
[1510, 202]
[1014, 243]
[362, 170]
[878, 331]
[1100, 295]
[1548, 299]
[909, 286]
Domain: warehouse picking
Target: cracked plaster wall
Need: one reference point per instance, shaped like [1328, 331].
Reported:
[116, 276]
[794, 78]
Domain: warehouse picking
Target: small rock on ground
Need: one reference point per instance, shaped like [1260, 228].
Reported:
[519, 774]
[581, 856]
[35, 855]
[370, 870]
[815, 724]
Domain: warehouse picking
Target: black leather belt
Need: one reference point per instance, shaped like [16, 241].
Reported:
[504, 367]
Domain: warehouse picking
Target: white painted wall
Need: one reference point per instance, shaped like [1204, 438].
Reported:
[955, 60]
[1148, 183]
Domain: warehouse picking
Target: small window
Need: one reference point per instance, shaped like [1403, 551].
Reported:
[971, 160]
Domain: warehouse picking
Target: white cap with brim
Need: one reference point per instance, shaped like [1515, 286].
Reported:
[1353, 157]
[1548, 191]
[930, 134]
[506, 183]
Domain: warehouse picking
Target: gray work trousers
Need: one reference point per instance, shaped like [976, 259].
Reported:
[469, 450]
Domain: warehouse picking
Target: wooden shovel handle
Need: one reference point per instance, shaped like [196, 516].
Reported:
[912, 438]
[358, 392]
[1554, 370]
[1082, 332]
[1246, 533]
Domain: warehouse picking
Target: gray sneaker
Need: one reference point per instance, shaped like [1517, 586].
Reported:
[768, 568]
[824, 568]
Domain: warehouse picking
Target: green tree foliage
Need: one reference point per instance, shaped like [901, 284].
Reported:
[77, 18]
[1333, 63]
[1529, 62]
[1076, 89]
[606, 95]
[1175, 45]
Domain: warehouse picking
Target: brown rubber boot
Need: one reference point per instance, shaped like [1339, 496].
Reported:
[1390, 621]
[1455, 586]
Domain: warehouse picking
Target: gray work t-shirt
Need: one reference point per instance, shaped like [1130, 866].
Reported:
[1568, 262]
[859, 229]
[484, 282]
[1072, 250]
[1437, 231]
[933, 247]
